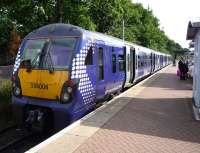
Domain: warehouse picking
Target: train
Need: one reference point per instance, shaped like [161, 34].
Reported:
[61, 71]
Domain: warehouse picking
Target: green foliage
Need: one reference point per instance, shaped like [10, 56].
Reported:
[5, 93]
[5, 102]
[105, 16]
[5, 28]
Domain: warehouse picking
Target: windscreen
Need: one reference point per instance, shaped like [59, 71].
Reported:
[56, 52]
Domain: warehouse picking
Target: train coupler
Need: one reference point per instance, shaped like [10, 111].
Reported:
[35, 120]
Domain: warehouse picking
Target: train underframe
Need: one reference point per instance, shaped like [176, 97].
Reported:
[40, 118]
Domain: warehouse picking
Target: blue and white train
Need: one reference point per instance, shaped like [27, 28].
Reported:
[62, 70]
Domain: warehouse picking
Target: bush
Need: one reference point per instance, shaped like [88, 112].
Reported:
[5, 93]
[5, 100]
[5, 104]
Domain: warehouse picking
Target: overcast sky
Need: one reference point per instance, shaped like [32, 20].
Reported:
[174, 16]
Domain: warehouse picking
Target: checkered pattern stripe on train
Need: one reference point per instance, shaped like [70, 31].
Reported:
[85, 87]
[17, 61]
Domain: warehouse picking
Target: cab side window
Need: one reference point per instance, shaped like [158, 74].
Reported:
[89, 57]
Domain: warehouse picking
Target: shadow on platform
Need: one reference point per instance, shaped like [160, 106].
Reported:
[172, 82]
[167, 118]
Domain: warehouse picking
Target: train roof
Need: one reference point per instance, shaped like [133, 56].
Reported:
[57, 29]
[145, 48]
[140, 47]
[61, 29]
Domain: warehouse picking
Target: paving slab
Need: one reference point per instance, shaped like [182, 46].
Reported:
[63, 144]
[155, 116]
[158, 119]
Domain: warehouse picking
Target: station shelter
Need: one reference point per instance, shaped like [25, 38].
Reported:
[193, 33]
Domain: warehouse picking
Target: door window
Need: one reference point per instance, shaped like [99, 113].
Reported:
[121, 62]
[114, 62]
[100, 63]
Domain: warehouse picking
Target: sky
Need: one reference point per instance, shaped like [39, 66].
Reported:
[174, 16]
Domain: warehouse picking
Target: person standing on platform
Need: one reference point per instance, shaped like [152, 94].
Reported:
[181, 69]
[185, 70]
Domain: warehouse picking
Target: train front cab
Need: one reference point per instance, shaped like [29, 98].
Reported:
[42, 87]
[49, 68]
[59, 73]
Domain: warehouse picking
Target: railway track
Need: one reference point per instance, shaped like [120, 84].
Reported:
[11, 136]
[6, 129]
[14, 140]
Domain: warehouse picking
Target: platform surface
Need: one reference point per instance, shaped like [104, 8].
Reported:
[153, 117]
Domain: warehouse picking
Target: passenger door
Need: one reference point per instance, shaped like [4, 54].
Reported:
[153, 61]
[100, 67]
[128, 73]
[132, 64]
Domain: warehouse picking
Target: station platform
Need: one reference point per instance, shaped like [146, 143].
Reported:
[155, 116]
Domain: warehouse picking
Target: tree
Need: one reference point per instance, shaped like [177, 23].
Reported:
[106, 16]
[5, 27]
[14, 42]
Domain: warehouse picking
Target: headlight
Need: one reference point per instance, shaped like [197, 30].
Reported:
[17, 91]
[65, 97]
[69, 89]
[16, 86]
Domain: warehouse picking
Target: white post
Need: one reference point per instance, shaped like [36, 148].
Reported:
[123, 29]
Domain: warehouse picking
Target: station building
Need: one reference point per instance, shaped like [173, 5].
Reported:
[193, 33]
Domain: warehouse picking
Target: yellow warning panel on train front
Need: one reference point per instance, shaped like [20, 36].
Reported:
[42, 83]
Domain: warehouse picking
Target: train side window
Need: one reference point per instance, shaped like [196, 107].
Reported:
[121, 62]
[114, 62]
[143, 61]
[89, 57]
[139, 62]
[100, 63]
